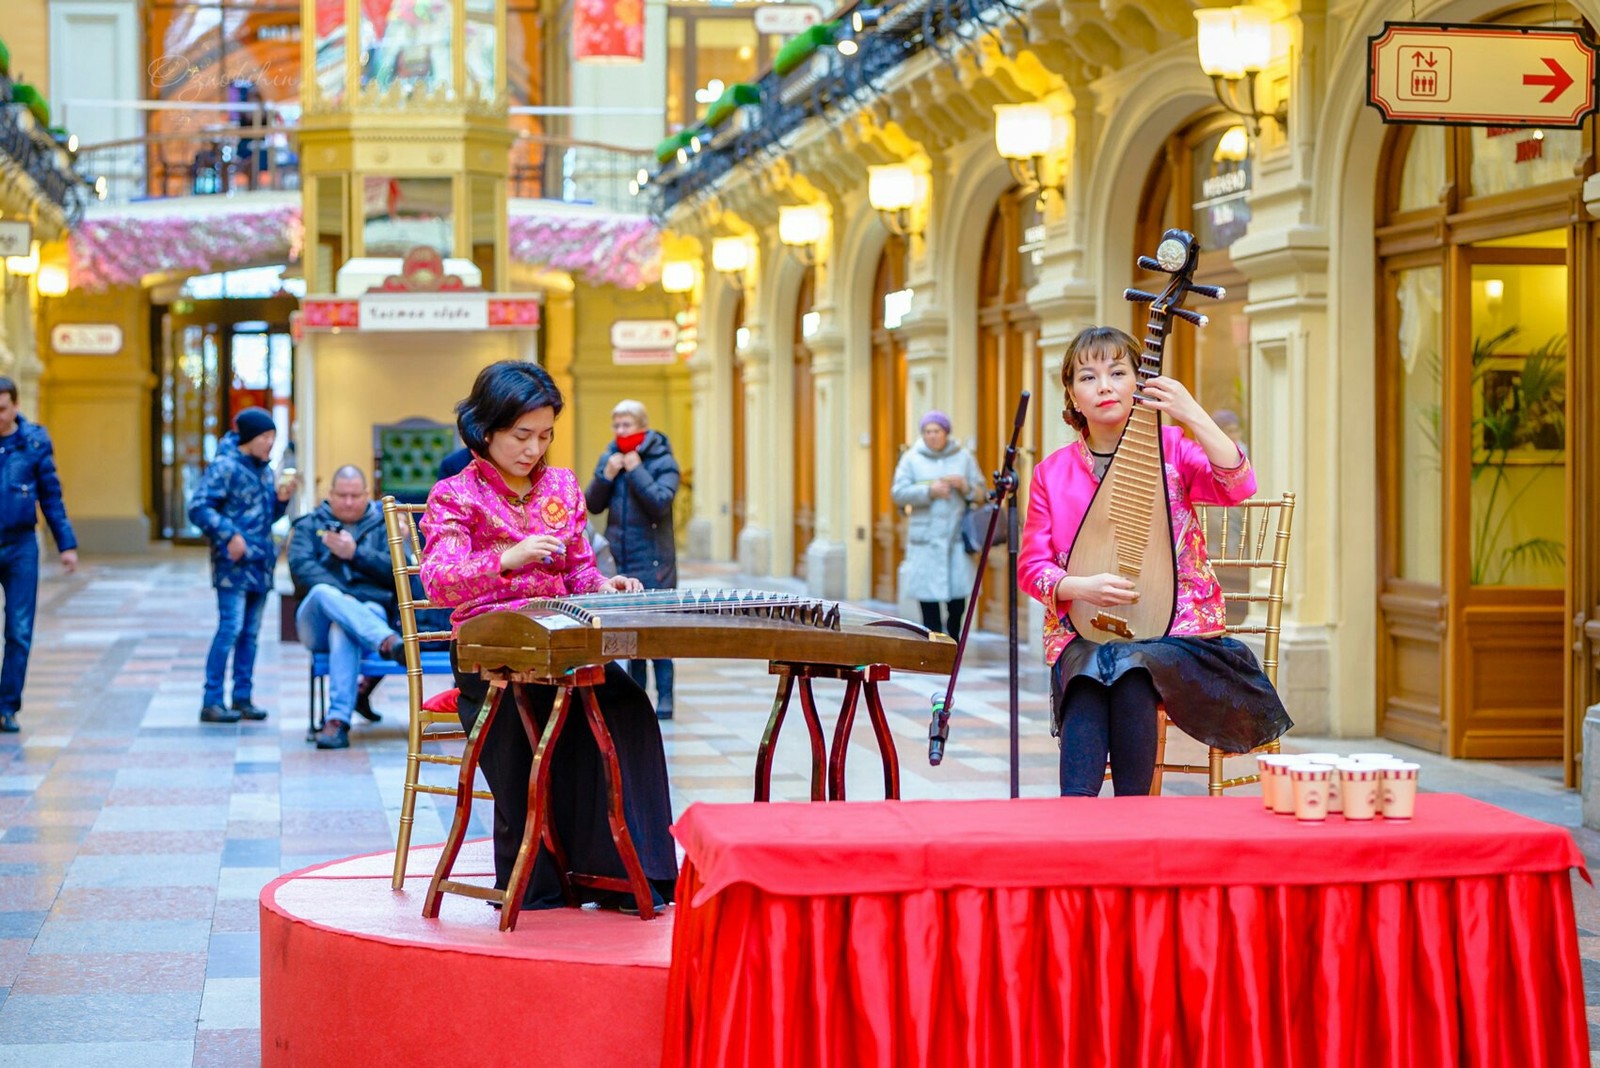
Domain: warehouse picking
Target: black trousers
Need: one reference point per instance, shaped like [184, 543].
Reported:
[578, 798]
[1118, 721]
[956, 612]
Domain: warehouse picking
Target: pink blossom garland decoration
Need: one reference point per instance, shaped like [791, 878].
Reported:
[122, 250]
[614, 250]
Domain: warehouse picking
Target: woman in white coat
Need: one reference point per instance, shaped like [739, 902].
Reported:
[935, 479]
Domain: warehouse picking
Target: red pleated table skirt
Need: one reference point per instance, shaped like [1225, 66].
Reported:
[1169, 931]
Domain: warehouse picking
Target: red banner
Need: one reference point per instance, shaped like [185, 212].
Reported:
[608, 31]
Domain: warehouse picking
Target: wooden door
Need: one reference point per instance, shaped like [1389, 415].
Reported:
[804, 452]
[1007, 335]
[888, 430]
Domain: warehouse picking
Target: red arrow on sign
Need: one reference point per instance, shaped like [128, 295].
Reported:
[1558, 80]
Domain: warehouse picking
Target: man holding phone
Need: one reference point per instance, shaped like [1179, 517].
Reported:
[339, 560]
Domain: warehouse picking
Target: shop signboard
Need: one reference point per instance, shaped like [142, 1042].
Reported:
[86, 339]
[16, 237]
[1481, 75]
[644, 341]
[786, 20]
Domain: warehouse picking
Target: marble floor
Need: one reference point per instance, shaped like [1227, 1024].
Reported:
[134, 839]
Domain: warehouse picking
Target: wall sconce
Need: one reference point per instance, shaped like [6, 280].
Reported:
[24, 265]
[800, 228]
[894, 191]
[1025, 135]
[731, 256]
[53, 280]
[679, 276]
[1235, 45]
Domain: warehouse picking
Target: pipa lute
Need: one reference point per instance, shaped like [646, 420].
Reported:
[1127, 530]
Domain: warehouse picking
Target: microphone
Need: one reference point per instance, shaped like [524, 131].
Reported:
[938, 730]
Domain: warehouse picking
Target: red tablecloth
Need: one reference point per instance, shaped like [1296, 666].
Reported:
[1182, 931]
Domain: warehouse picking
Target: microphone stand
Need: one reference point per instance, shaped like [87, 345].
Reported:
[1003, 494]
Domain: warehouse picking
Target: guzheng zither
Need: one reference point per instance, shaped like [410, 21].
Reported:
[550, 637]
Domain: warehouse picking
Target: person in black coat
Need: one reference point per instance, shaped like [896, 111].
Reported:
[634, 483]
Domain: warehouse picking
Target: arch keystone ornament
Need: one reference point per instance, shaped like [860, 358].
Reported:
[1452, 74]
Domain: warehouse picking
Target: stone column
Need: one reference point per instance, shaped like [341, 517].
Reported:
[827, 558]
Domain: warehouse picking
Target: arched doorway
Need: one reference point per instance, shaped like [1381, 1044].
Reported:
[736, 424]
[1486, 348]
[804, 450]
[1199, 182]
[1008, 352]
[888, 405]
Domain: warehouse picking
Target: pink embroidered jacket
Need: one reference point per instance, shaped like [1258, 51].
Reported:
[1063, 484]
[474, 516]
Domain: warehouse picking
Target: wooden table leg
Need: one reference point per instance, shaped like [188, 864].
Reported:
[769, 737]
[463, 812]
[841, 736]
[886, 749]
[620, 834]
[819, 749]
[536, 826]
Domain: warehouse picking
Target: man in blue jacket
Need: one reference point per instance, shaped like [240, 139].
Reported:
[634, 484]
[235, 506]
[28, 482]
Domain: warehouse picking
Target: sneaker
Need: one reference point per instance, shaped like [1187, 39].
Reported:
[218, 714]
[8, 723]
[335, 734]
[248, 710]
[393, 649]
[364, 689]
[664, 709]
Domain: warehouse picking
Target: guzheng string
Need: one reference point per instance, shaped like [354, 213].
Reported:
[755, 603]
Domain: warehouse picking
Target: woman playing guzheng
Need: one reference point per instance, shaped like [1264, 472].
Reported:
[1104, 696]
[504, 531]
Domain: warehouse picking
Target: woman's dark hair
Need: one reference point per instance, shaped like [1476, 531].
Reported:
[1094, 342]
[502, 394]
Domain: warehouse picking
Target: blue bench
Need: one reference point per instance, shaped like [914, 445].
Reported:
[434, 662]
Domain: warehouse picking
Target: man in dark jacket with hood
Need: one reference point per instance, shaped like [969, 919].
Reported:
[634, 483]
[339, 560]
[28, 482]
[235, 505]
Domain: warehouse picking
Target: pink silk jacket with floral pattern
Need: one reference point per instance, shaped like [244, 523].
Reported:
[1063, 484]
[474, 517]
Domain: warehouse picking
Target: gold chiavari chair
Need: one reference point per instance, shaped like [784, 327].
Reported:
[427, 728]
[1242, 540]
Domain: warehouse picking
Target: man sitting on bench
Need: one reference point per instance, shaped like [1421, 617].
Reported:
[339, 560]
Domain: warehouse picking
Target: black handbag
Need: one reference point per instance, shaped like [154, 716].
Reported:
[975, 526]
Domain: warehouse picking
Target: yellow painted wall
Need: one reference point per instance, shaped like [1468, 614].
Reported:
[598, 383]
[97, 409]
[26, 32]
[361, 380]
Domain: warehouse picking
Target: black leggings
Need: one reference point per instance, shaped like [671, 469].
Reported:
[1119, 720]
[957, 612]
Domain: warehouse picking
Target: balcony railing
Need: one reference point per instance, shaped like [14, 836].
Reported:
[225, 159]
[35, 151]
[828, 82]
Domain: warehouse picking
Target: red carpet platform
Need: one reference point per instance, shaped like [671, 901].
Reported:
[350, 972]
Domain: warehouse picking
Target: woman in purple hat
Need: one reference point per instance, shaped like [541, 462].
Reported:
[933, 481]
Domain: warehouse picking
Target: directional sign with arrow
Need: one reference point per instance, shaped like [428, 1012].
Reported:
[1481, 75]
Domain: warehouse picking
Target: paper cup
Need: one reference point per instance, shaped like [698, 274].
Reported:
[1278, 788]
[1335, 790]
[1372, 758]
[1399, 790]
[1363, 788]
[1268, 771]
[1310, 791]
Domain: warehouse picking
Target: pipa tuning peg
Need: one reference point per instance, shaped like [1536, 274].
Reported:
[1147, 263]
[1214, 292]
[1138, 296]
[1190, 316]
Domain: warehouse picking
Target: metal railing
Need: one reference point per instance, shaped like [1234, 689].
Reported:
[224, 159]
[829, 82]
[36, 152]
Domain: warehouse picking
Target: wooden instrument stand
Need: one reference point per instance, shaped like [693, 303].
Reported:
[857, 679]
[580, 682]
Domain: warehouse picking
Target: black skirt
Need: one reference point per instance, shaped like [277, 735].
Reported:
[578, 797]
[1212, 688]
